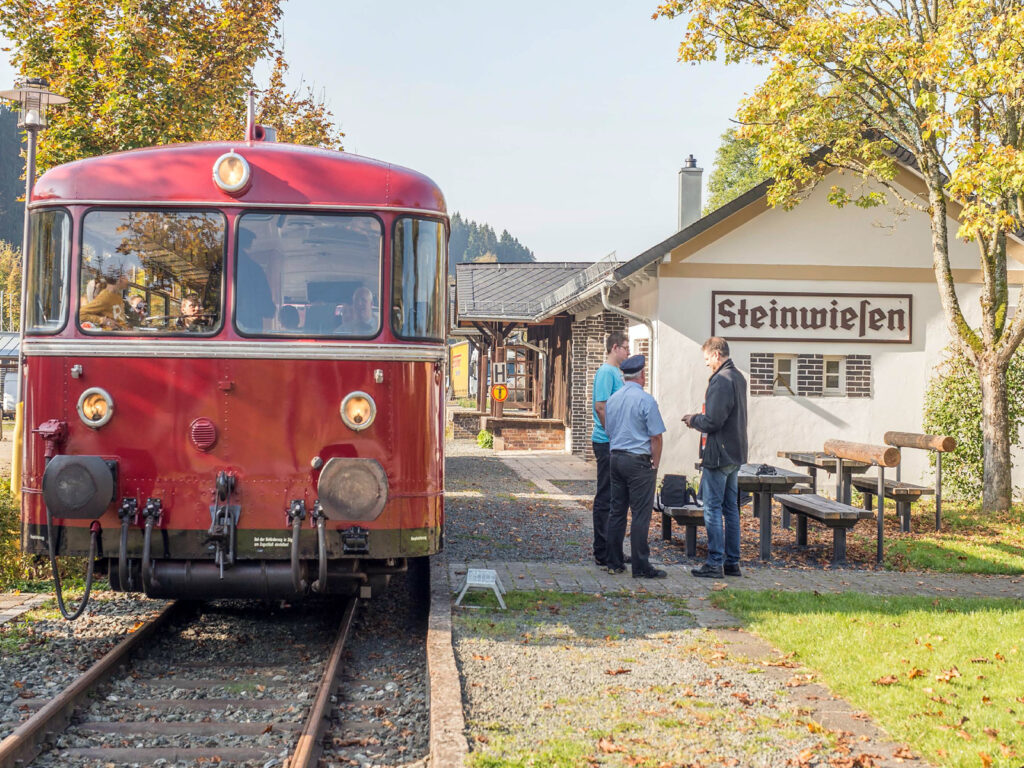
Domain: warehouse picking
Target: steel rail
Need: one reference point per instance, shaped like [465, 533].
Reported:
[22, 746]
[307, 751]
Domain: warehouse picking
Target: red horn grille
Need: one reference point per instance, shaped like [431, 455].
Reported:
[203, 434]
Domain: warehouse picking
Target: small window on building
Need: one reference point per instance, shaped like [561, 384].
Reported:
[785, 372]
[835, 377]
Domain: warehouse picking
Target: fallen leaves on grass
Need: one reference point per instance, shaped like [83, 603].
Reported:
[948, 675]
[619, 671]
[886, 680]
[608, 746]
[915, 672]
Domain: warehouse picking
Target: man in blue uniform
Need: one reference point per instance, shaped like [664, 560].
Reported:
[635, 428]
[607, 381]
[724, 422]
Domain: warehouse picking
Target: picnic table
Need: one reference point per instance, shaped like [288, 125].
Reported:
[815, 460]
[760, 486]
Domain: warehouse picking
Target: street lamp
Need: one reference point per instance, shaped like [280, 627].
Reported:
[33, 98]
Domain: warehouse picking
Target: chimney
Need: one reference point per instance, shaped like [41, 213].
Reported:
[689, 192]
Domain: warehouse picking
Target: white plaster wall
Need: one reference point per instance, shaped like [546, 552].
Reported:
[813, 234]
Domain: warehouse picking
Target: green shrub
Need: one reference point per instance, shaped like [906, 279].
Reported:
[952, 406]
[13, 567]
[485, 439]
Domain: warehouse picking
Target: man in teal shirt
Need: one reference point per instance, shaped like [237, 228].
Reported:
[607, 380]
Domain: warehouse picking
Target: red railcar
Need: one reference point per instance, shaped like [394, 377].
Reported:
[234, 369]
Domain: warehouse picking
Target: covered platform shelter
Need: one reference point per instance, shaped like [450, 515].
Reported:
[536, 327]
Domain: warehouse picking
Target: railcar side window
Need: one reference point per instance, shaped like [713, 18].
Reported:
[308, 275]
[48, 271]
[418, 279]
[152, 272]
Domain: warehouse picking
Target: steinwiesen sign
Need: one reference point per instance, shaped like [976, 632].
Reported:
[867, 317]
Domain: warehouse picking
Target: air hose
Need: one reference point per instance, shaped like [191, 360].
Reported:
[93, 546]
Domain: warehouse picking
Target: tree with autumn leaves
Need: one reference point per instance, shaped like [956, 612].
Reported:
[145, 72]
[856, 84]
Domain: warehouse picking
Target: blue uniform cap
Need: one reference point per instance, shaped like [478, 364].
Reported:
[633, 364]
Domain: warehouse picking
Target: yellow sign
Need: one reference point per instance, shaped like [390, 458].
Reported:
[458, 369]
[499, 392]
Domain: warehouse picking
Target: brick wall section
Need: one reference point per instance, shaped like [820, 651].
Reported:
[643, 347]
[810, 375]
[465, 424]
[762, 371]
[537, 437]
[858, 375]
[588, 353]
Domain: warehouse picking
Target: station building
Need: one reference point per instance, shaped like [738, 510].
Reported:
[832, 314]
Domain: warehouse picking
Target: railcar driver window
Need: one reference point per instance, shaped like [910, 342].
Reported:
[151, 272]
[308, 275]
[48, 271]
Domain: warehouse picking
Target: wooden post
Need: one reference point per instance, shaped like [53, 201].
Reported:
[938, 491]
[481, 377]
[839, 480]
[881, 510]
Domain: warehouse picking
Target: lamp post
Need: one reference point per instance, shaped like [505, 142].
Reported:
[33, 98]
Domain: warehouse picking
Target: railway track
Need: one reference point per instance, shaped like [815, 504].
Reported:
[227, 684]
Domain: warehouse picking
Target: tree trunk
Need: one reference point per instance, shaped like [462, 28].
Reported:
[995, 423]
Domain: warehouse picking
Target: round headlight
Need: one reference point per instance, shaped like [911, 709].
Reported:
[231, 173]
[358, 411]
[95, 407]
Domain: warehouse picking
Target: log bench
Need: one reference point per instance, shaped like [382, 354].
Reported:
[832, 514]
[904, 494]
[691, 516]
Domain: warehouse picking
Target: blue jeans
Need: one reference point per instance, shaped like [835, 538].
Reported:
[721, 509]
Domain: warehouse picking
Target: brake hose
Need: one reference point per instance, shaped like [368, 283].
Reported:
[95, 531]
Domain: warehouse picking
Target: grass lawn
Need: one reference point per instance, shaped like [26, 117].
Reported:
[943, 675]
[971, 541]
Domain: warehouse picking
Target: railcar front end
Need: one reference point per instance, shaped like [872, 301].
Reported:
[235, 392]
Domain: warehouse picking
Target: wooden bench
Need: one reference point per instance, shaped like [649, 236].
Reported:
[832, 514]
[904, 494]
[691, 516]
[940, 444]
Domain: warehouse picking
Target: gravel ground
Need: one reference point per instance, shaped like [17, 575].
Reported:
[484, 521]
[42, 653]
[382, 717]
[622, 681]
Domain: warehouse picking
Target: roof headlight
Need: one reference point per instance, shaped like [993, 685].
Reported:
[95, 407]
[231, 173]
[358, 411]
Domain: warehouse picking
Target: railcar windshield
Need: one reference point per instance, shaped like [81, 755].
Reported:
[48, 271]
[418, 269]
[308, 275]
[152, 272]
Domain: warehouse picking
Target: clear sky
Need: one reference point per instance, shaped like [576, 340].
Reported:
[564, 122]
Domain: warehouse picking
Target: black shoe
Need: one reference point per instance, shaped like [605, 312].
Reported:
[653, 573]
[732, 569]
[616, 570]
[600, 563]
[708, 572]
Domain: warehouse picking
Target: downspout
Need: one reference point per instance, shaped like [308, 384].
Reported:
[544, 365]
[605, 288]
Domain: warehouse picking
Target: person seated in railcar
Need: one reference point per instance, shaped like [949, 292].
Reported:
[106, 308]
[359, 318]
[288, 317]
[192, 317]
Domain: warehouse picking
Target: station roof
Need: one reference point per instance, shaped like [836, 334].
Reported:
[8, 346]
[520, 292]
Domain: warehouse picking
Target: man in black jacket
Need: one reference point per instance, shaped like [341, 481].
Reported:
[723, 450]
